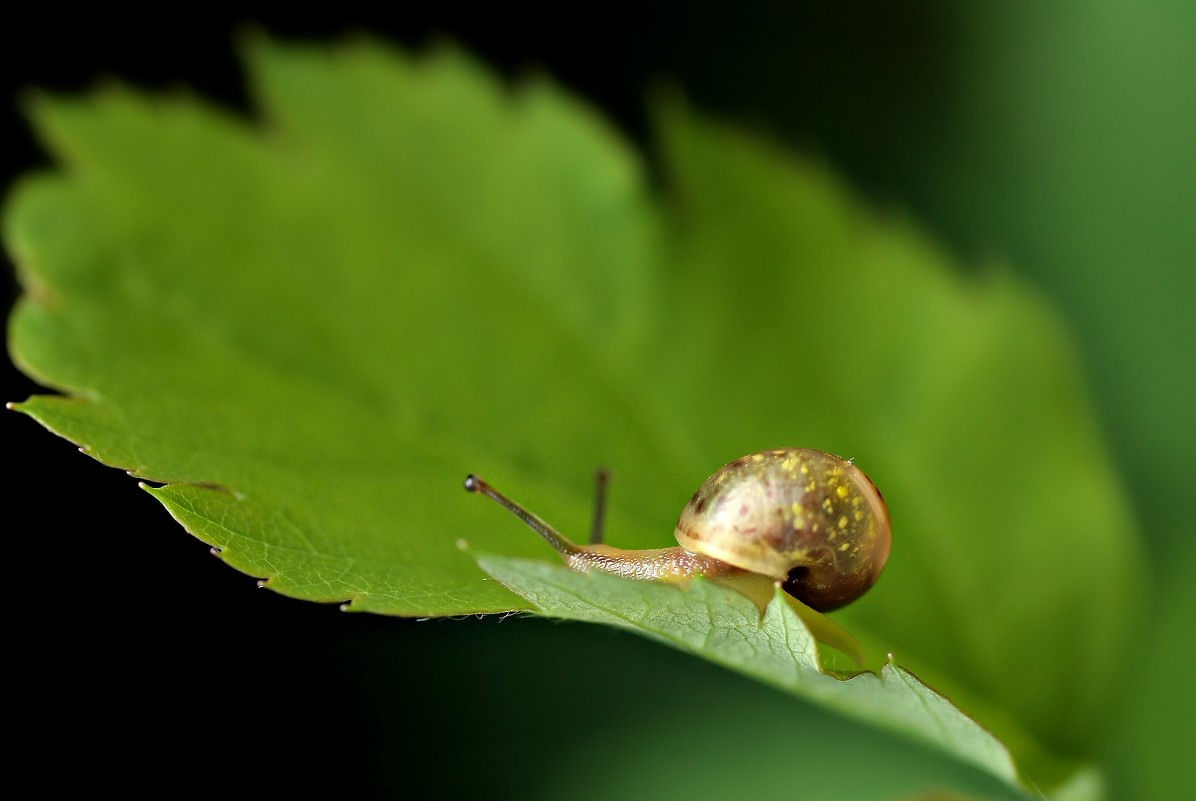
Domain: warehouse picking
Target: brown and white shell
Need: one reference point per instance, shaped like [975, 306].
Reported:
[798, 515]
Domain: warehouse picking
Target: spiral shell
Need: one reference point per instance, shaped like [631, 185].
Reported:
[799, 515]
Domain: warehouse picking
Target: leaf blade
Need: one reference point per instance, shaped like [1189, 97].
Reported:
[335, 321]
[775, 647]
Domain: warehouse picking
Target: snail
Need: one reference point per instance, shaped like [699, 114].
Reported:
[802, 517]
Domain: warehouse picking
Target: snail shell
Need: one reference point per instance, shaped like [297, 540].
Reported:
[799, 515]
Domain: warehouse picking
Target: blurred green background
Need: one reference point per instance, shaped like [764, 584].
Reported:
[1058, 139]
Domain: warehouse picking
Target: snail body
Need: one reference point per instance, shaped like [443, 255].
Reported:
[802, 517]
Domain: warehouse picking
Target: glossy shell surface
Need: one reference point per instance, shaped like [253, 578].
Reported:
[803, 516]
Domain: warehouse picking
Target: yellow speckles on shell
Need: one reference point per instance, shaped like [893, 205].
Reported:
[771, 512]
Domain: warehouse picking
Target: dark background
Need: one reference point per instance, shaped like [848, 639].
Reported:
[1053, 139]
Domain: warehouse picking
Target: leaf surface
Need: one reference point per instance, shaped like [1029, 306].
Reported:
[304, 331]
[775, 647]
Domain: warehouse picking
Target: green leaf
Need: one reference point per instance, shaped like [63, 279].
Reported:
[775, 647]
[307, 329]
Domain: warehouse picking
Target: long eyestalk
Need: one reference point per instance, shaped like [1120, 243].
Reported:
[562, 545]
[664, 564]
